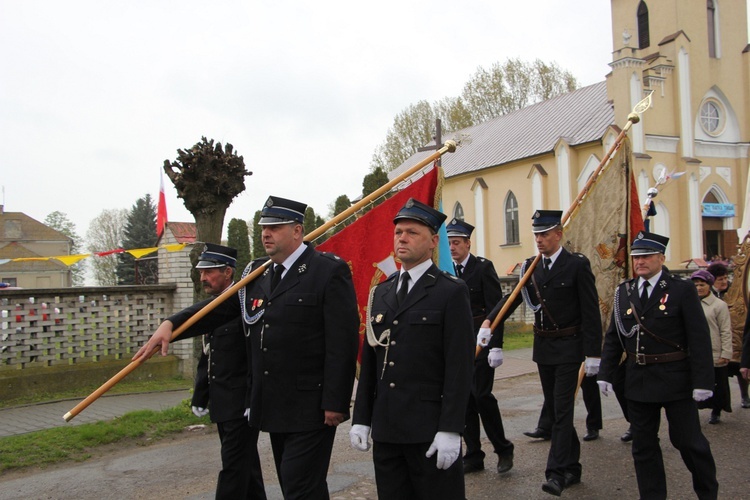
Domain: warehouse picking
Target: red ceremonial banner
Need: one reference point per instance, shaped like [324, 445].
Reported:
[368, 241]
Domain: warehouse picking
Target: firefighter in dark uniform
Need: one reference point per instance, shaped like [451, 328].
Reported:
[658, 321]
[484, 294]
[221, 379]
[303, 333]
[567, 331]
[416, 371]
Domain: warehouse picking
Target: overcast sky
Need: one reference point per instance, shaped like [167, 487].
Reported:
[95, 95]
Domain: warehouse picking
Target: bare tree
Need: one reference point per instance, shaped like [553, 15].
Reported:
[105, 233]
[489, 93]
[59, 221]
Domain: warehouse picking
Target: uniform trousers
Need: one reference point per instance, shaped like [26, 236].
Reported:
[241, 475]
[482, 403]
[591, 399]
[302, 460]
[559, 384]
[618, 386]
[402, 472]
[685, 435]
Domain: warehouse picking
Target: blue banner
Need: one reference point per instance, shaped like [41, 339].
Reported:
[717, 209]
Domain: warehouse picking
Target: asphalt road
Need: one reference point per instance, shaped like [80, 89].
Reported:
[185, 467]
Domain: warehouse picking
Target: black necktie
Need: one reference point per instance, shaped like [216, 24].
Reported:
[547, 263]
[278, 270]
[644, 293]
[459, 270]
[404, 290]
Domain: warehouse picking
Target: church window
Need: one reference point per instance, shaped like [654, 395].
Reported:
[643, 34]
[711, 32]
[511, 219]
[458, 212]
[712, 117]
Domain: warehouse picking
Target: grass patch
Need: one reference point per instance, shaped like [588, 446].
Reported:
[75, 443]
[124, 387]
[517, 336]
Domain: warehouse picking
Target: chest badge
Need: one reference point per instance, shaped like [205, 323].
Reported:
[663, 301]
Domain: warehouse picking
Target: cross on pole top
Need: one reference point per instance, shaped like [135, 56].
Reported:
[438, 141]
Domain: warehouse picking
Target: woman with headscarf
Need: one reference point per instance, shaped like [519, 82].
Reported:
[717, 316]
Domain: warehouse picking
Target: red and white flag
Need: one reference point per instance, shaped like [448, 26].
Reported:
[161, 212]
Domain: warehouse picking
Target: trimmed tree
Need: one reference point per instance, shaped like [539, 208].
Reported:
[207, 177]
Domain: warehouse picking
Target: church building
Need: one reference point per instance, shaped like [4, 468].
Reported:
[692, 145]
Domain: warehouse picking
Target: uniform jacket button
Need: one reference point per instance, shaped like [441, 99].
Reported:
[391, 385]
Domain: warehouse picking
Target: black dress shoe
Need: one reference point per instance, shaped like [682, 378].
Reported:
[505, 464]
[470, 467]
[745, 403]
[553, 487]
[539, 433]
[591, 434]
[571, 479]
[628, 436]
[714, 418]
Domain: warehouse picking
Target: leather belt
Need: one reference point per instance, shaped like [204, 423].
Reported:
[649, 359]
[560, 332]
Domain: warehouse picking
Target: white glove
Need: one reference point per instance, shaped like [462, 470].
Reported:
[199, 412]
[448, 447]
[495, 357]
[592, 366]
[484, 336]
[605, 387]
[247, 414]
[359, 436]
[702, 394]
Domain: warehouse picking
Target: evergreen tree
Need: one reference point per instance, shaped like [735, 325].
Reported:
[342, 203]
[238, 237]
[258, 250]
[373, 181]
[59, 222]
[308, 223]
[139, 232]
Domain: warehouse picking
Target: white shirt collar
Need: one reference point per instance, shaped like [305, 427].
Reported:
[464, 262]
[652, 281]
[289, 262]
[416, 272]
[554, 256]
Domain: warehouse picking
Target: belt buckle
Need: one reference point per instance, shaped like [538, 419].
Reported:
[640, 359]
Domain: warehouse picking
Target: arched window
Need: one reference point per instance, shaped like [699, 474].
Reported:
[643, 35]
[458, 211]
[714, 30]
[511, 219]
[711, 33]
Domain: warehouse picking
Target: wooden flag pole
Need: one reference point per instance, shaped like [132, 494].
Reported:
[449, 147]
[633, 117]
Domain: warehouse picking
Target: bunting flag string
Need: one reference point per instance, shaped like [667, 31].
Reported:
[69, 260]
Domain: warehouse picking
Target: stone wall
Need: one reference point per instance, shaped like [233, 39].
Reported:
[68, 326]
